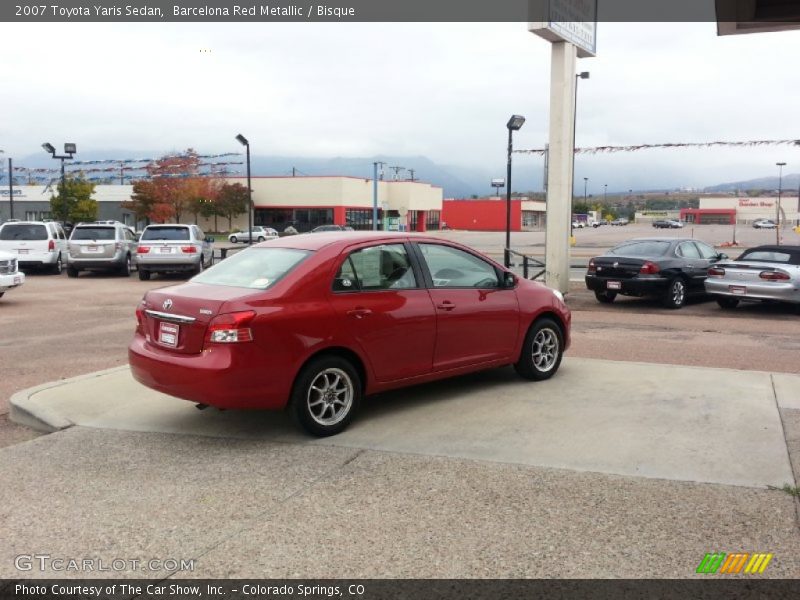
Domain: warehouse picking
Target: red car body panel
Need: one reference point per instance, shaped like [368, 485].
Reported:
[400, 337]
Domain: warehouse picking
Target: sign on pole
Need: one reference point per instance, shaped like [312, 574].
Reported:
[573, 21]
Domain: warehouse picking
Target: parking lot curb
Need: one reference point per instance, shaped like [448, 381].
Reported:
[26, 410]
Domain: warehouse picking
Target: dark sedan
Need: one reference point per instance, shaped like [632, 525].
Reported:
[668, 268]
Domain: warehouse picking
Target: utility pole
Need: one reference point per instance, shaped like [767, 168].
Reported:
[375, 193]
[396, 171]
[412, 174]
[10, 189]
[294, 172]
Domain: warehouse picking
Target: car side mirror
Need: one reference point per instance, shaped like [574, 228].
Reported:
[722, 256]
[509, 280]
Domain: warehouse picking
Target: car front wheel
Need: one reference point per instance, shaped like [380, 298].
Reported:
[234, 239]
[125, 269]
[144, 275]
[676, 294]
[326, 395]
[725, 302]
[605, 296]
[542, 351]
[58, 267]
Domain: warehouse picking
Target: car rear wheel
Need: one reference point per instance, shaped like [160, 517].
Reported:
[261, 238]
[125, 269]
[725, 302]
[144, 275]
[542, 351]
[676, 294]
[234, 239]
[200, 266]
[72, 272]
[58, 267]
[326, 395]
[605, 296]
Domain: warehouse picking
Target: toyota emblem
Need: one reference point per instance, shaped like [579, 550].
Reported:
[167, 304]
[615, 265]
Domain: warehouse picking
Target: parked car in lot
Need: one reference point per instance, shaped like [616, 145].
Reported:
[37, 244]
[315, 322]
[173, 248]
[661, 224]
[761, 273]
[10, 275]
[257, 234]
[619, 222]
[668, 268]
[764, 224]
[101, 246]
[329, 228]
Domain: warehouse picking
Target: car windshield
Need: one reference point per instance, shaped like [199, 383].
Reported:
[255, 268]
[93, 233]
[771, 256]
[641, 248]
[166, 233]
[23, 232]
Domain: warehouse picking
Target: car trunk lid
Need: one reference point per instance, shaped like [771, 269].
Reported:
[618, 267]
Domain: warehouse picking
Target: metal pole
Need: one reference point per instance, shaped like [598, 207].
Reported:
[585, 183]
[374, 196]
[778, 206]
[10, 189]
[249, 201]
[508, 202]
[574, 125]
[605, 192]
[64, 191]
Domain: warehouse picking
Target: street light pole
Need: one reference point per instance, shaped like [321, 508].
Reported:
[605, 192]
[585, 184]
[581, 75]
[69, 150]
[243, 141]
[375, 193]
[514, 124]
[780, 166]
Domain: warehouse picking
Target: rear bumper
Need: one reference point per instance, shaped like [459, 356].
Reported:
[629, 287]
[780, 292]
[171, 263]
[37, 259]
[11, 281]
[224, 376]
[97, 263]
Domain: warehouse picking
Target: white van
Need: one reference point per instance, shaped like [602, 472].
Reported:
[38, 244]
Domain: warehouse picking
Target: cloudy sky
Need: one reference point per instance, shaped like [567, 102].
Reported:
[443, 91]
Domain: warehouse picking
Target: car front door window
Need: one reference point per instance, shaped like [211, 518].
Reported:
[453, 268]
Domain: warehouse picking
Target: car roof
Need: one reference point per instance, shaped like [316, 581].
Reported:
[154, 225]
[775, 248]
[661, 239]
[317, 241]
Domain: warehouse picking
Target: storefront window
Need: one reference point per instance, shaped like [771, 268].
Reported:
[432, 219]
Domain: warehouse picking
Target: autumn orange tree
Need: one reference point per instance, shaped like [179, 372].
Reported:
[174, 187]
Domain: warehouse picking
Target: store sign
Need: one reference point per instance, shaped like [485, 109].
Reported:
[748, 203]
[573, 21]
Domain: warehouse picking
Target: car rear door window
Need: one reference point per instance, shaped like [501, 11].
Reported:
[382, 267]
[453, 268]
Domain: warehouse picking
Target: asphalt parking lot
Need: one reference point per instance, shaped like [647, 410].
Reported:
[406, 492]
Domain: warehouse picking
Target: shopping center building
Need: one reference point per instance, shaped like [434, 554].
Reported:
[731, 209]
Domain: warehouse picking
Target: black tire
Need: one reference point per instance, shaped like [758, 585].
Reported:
[542, 351]
[200, 266]
[72, 272]
[323, 385]
[126, 268]
[234, 239]
[261, 238]
[726, 302]
[675, 297]
[605, 297]
[57, 268]
[1, 294]
[144, 275]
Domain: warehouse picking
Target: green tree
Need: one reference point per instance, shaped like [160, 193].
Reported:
[77, 195]
[232, 200]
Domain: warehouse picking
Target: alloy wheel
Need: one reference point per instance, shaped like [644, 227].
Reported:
[330, 396]
[544, 350]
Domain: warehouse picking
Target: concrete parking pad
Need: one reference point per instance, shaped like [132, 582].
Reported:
[658, 421]
[252, 508]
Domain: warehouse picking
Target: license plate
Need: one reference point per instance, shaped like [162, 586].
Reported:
[22, 251]
[613, 285]
[17, 280]
[166, 250]
[737, 289]
[168, 334]
[93, 248]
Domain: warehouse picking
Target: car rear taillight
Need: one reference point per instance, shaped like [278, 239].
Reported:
[231, 328]
[716, 272]
[51, 245]
[649, 268]
[188, 249]
[774, 275]
[592, 267]
[140, 318]
[143, 249]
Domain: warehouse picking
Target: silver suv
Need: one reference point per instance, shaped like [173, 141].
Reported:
[101, 246]
[171, 248]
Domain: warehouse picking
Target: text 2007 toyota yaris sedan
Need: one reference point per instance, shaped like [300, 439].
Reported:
[315, 322]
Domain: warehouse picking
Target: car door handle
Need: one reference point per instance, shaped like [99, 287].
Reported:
[359, 313]
[446, 305]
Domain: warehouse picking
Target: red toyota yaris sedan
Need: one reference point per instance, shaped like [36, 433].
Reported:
[318, 321]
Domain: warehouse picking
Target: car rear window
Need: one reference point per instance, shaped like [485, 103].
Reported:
[255, 268]
[643, 248]
[93, 233]
[19, 231]
[771, 256]
[178, 234]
